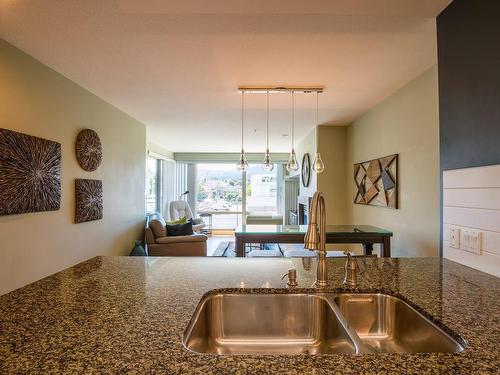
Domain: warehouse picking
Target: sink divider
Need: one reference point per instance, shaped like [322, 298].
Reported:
[360, 347]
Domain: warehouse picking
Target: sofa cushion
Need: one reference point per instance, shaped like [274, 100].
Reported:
[180, 239]
[179, 229]
[304, 253]
[265, 254]
[182, 220]
[158, 228]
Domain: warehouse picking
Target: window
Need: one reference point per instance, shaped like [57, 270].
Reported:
[153, 185]
[228, 194]
[219, 192]
[261, 191]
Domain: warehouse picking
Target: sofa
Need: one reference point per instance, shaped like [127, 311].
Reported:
[160, 244]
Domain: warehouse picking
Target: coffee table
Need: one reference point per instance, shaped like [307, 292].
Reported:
[366, 235]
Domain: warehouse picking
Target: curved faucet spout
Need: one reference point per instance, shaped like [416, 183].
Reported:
[315, 238]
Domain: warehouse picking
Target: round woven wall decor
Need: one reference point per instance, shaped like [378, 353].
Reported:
[88, 150]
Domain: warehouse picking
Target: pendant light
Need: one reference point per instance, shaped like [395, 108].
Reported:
[267, 164]
[292, 166]
[242, 164]
[318, 165]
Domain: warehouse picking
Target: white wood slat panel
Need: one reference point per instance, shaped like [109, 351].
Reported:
[487, 262]
[473, 198]
[488, 176]
[473, 218]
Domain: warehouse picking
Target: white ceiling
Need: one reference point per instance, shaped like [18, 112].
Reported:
[175, 65]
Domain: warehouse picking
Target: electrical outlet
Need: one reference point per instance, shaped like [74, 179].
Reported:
[455, 237]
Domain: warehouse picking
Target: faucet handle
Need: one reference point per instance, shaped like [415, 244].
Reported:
[292, 277]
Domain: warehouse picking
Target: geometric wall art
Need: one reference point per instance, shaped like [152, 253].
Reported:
[376, 182]
[30, 173]
[89, 200]
[88, 150]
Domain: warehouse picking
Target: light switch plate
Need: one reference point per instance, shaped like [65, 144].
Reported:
[465, 243]
[475, 241]
[471, 241]
[455, 237]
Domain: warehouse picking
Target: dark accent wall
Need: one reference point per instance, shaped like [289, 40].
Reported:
[468, 34]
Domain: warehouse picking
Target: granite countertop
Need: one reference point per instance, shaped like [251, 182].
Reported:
[127, 314]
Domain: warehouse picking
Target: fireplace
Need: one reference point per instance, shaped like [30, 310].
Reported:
[304, 202]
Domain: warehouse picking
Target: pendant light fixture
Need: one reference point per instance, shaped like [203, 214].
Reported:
[242, 164]
[292, 166]
[267, 164]
[318, 165]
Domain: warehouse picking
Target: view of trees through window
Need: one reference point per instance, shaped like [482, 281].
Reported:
[220, 192]
[219, 188]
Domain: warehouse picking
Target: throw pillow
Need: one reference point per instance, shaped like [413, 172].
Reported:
[158, 228]
[180, 229]
[182, 220]
[138, 250]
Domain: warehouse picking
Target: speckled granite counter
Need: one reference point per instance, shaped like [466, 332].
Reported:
[121, 315]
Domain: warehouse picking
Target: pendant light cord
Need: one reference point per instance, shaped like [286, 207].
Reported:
[267, 126]
[293, 119]
[242, 116]
[317, 108]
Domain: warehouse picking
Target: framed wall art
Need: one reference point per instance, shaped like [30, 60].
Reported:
[376, 182]
[30, 173]
[89, 200]
[88, 150]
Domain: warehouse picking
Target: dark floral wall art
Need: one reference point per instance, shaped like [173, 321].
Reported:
[30, 173]
[89, 200]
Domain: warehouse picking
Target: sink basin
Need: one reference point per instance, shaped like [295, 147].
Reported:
[389, 325]
[268, 324]
[350, 323]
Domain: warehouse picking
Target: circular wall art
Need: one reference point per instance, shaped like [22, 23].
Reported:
[88, 150]
[306, 170]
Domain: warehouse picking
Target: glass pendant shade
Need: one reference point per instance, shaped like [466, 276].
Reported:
[318, 165]
[242, 164]
[267, 164]
[292, 166]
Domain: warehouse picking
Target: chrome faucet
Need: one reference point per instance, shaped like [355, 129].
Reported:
[315, 237]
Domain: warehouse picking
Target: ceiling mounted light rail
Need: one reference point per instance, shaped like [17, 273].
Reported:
[280, 89]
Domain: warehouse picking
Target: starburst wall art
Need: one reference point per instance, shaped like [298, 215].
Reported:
[89, 200]
[30, 173]
[88, 150]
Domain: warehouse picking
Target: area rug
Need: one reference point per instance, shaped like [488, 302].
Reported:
[228, 249]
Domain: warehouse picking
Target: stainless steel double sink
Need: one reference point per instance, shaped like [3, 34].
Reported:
[291, 323]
